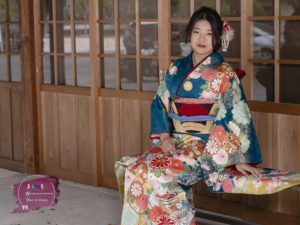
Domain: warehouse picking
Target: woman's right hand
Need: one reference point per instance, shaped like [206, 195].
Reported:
[167, 143]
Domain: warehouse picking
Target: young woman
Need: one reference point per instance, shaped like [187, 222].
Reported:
[202, 130]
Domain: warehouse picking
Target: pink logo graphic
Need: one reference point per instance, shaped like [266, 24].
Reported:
[36, 192]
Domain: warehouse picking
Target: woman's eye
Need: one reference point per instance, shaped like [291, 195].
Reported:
[195, 32]
[209, 34]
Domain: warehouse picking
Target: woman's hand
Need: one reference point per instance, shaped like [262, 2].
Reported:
[245, 168]
[167, 143]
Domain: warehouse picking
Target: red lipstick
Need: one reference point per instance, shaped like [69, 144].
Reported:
[201, 46]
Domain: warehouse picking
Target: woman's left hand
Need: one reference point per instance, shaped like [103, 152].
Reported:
[245, 168]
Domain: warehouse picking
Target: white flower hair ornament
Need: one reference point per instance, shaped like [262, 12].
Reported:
[227, 36]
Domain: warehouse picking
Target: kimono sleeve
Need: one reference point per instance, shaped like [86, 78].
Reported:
[160, 122]
[233, 138]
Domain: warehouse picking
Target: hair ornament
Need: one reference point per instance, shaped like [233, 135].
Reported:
[227, 36]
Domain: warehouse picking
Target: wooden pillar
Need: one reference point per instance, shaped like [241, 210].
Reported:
[28, 71]
[95, 82]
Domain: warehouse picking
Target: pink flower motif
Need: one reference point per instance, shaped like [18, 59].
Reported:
[221, 157]
[173, 70]
[277, 181]
[270, 187]
[227, 185]
[165, 220]
[156, 212]
[239, 181]
[214, 85]
[155, 149]
[206, 95]
[218, 133]
[213, 177]
[209, 74]
[176, 166]
[142, 202]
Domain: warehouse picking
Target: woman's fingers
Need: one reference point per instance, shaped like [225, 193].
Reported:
[257, 172]
[246, 168]
[168, 144]
[242, 171]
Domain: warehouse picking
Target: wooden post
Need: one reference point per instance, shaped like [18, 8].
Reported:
[28, 70]
[95, 81]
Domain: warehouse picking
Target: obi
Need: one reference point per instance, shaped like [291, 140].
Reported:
[193, 116]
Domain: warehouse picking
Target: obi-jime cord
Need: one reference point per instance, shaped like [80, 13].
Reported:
[205, 109]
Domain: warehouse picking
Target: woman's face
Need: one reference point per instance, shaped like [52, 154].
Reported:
[201, 39]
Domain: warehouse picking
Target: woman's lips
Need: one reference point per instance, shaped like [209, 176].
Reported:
[201, 46]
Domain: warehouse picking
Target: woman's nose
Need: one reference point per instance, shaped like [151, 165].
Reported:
[201, 37]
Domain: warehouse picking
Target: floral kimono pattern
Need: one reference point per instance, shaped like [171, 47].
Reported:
[205, 109]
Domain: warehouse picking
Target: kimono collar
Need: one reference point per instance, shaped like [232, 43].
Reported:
[216, 59]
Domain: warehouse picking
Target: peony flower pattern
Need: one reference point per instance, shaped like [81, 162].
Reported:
[221, 157]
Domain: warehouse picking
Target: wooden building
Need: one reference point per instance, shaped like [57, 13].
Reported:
[77, 78]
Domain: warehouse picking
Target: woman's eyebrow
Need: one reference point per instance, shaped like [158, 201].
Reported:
[197, 28]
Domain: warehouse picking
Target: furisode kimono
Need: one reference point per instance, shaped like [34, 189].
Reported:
[204, 108]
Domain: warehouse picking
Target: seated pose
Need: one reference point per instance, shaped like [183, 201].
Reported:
[202, 130]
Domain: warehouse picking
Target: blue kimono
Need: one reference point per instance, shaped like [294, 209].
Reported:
[204, 108]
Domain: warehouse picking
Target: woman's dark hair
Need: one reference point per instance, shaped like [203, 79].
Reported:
[216, 23]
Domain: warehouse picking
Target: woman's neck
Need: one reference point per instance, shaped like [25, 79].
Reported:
[197, 58]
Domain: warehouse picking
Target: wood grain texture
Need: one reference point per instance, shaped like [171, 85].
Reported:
[49, 102]
[263, 124]
[86, 152]
[68, 141]
[17, 125]
[130, 127]
[28, 71]
[5, 124]
[263, 217]
[110, 138]
[146, 124]
[288, 158]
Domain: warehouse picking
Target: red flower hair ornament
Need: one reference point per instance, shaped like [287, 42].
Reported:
[227, 36]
